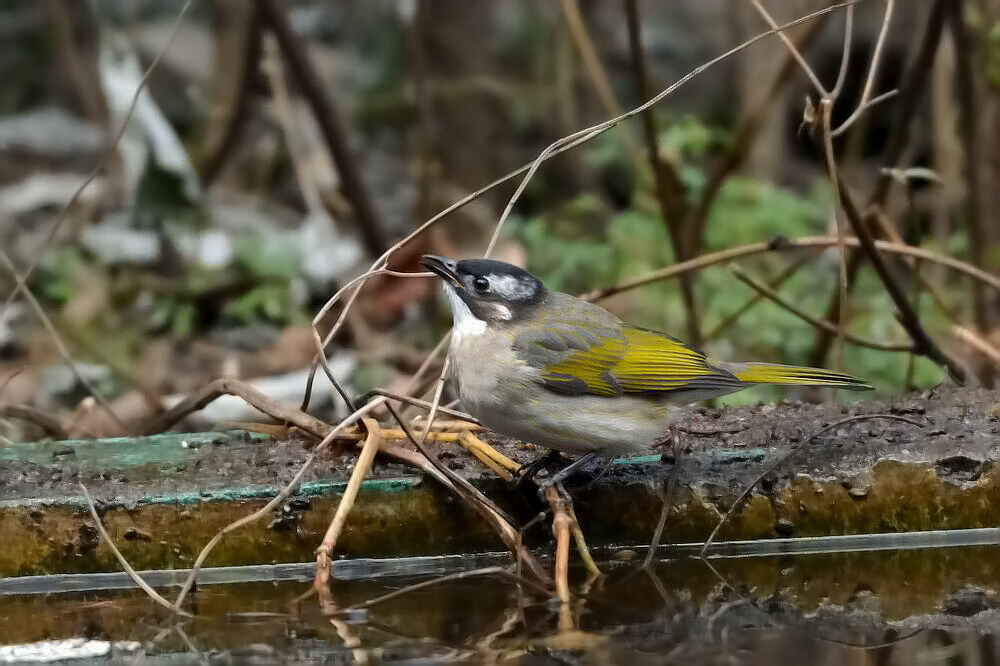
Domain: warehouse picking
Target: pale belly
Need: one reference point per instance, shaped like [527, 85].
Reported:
[520, 407]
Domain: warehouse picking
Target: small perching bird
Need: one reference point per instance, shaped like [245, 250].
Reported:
[554, 370]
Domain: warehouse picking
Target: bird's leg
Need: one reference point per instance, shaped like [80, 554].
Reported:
[529, 470]
[565, 472]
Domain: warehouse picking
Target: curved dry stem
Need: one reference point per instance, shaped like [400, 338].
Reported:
[784, 244]
[783, 459]
[132, 573]
[845, 57]
[872, 71]
[823, 324]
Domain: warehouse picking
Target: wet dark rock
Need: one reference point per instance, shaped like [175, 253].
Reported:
[971, 600]
[784, 527]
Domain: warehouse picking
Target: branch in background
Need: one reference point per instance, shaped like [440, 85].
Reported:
[746, 135]
[780, 244]
[923, 344]
[79, 68]
[776, 298]
[775, 283]
[670, 191]
[911, 90]
[50, 424]
[312, 88]
[223, 136]
[968, 127]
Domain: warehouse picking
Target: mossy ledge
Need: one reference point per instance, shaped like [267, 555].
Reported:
[163, 498]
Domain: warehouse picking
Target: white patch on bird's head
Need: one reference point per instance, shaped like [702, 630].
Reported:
[465, 323]
[512, 288]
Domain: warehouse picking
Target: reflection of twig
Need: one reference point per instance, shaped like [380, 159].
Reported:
[781, 244]
[561, 530]
[132, 573]
[774, 297]
[783, 459]
[450, 578]
[668, 500]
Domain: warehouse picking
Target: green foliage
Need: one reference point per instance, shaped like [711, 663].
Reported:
[583, 246]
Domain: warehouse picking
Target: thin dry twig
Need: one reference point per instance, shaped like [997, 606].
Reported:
[132, 573]
[776, 298]
[757, 298]
[798, 446]
[57, 340]
[450, 578]
[873, 69]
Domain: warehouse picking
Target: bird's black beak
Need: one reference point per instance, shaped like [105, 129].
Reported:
[443, 267]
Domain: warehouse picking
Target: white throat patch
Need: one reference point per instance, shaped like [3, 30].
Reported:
[465, 323]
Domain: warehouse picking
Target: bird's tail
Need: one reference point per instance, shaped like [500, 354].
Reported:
[774, 373]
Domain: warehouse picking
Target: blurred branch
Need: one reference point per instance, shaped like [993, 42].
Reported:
[50, 424]
[968, 125]
[670, 191]
[312, 88]
[84, 80]
[923, 343]
[231, 108]
[779, 280]
[776, 298]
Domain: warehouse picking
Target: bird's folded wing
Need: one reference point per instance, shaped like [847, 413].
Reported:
[615, 360]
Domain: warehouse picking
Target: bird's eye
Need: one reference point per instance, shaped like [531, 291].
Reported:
[481, 284]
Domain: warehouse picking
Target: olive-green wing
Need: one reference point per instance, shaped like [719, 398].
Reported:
[612, 359]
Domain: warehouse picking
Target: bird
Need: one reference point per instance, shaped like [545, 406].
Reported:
[560, 372]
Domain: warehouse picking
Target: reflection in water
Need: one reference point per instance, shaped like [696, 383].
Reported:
[912, 607]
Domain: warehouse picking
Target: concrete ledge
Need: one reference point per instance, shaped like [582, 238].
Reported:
[164, 497]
